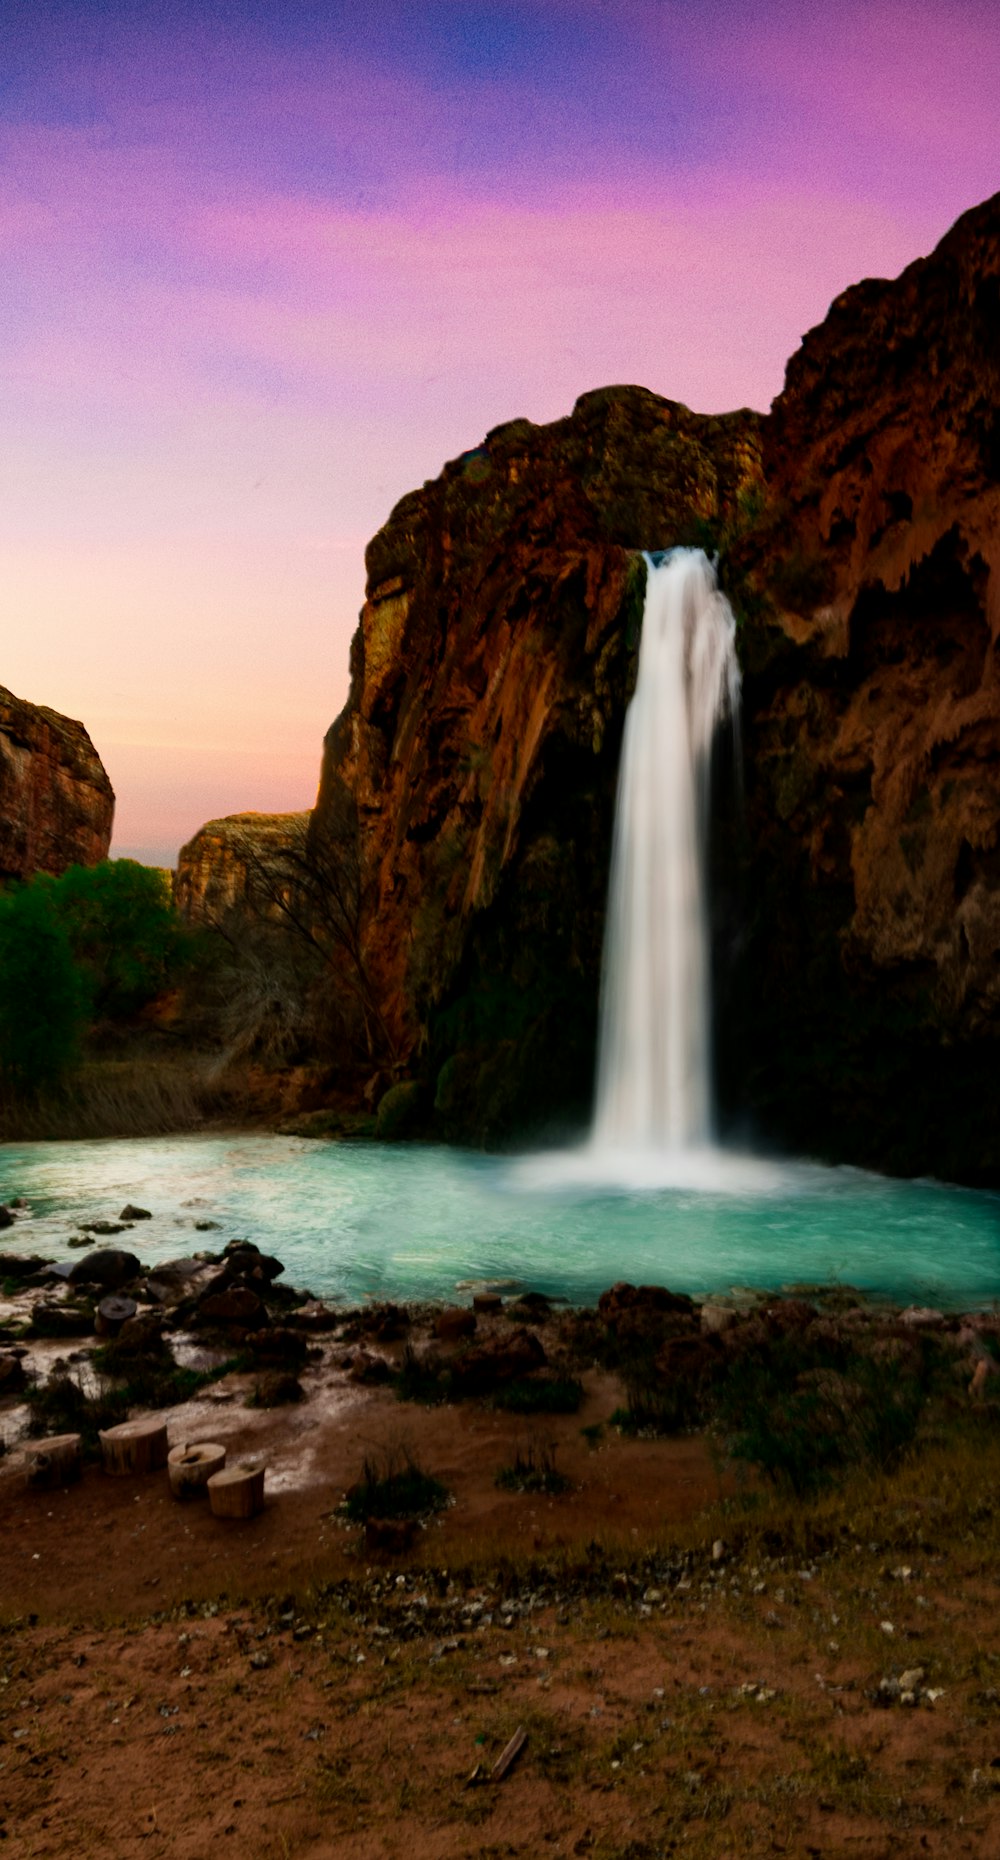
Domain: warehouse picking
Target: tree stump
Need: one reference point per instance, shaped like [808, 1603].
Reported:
[135, 1446]
[238, 1492]
[190, 1467]
[112, 1313]
[53, 1462]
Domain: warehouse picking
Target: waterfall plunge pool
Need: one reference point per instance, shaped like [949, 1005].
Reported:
[356, 1221]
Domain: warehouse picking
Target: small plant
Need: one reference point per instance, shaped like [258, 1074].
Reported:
[803, 1421]
[655, 1403]
[63, 1406]
[541, 1395]
[593, 1434]
[395, 1486]
[423, 1378]
[533, 1470]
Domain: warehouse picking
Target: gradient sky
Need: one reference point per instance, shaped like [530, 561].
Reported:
[266, 266]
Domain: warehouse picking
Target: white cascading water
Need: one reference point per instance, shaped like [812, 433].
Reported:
[654, 1071]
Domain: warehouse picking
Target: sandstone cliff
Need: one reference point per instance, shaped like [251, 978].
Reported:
[870, 1004]
[56, 802]
[477, 757]
[241, 863]
[464, 815]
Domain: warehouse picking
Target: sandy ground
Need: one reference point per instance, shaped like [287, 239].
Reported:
[170, 1684]
[173, 1685]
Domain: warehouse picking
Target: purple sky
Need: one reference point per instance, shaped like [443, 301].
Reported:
[266, 266]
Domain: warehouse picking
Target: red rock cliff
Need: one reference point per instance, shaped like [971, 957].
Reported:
[873, 714]
[478, 752]
[56, 802]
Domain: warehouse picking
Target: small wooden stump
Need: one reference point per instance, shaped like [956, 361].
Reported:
[238, 1492]
[190, 1468]
[135, 1446]
[112, 1313]
[53, 1462]
[488, 1304]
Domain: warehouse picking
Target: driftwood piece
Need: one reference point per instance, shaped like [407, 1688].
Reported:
[190, 1467]
[504, 1763]
[509, 1755]
[237, 1492]
[135, 1446]
[53, 1462]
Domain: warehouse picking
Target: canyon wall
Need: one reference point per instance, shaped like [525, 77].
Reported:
[464, 814]
[866, 1014]
[240, 864]
[56, 802]
[475, 763]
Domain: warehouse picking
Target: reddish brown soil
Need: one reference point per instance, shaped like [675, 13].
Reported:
[174, 1686]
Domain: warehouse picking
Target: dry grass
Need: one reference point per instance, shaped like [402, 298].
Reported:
[133, 1097]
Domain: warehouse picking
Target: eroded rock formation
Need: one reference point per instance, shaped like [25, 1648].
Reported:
[56, 802]
[480, 743]
[242, 863]
[467, 787]
[872, 592]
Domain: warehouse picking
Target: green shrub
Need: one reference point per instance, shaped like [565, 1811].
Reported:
[126, 938]
[533, 1469]
[41, 995]
[397, 1487]
[424, 1379]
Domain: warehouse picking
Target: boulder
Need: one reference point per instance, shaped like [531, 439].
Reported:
[130, 1213]
[110, 1266]
[21, 1265]
[12, 1376]
[277, 1390]
[488, 1366]
[454, 1325]
[625, 1298]
[6, 1217]
[236, 1305]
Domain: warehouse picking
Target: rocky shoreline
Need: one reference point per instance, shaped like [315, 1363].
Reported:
[104, 1337]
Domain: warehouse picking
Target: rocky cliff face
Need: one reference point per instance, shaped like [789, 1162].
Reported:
[870, 1002]
[477, 757]
[241, 863]
[56, 802]
[464, 814]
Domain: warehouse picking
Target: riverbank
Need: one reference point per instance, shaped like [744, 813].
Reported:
[730, 1565]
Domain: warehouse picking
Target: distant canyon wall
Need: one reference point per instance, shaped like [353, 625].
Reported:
[56, 802]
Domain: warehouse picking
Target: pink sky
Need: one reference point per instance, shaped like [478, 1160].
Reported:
[264, 276]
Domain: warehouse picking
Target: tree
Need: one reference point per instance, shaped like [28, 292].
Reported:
[41, 997]
[123, 931]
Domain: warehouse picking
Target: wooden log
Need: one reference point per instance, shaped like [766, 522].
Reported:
[135, 1446]
[53, 1462]
[190, 1467]
[237, 1492]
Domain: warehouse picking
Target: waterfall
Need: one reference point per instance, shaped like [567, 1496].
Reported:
[654, 1071]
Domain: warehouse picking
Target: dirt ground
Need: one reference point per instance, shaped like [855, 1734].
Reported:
[173, 1685]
